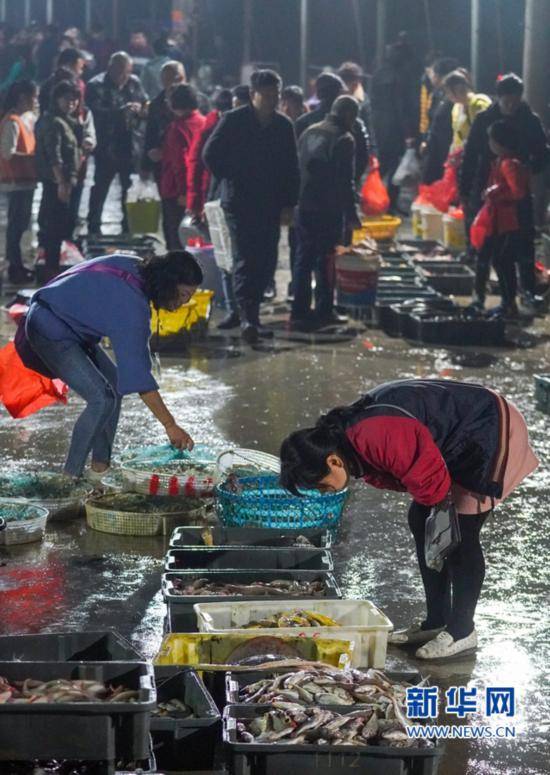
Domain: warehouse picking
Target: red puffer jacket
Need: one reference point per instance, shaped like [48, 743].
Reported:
[198, 174]
[508, 185]
[176, 148]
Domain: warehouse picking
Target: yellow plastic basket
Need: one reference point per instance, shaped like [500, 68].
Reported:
[102, 515]
[210, 649]
[379, 227]
[184, 318]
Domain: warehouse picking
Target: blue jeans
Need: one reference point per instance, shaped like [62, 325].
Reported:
[93, 376]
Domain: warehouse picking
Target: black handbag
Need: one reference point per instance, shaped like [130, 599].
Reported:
[441, 534]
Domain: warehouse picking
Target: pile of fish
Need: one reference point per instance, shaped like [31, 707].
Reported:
[174, 707]
[17, 512]
[275, 588]
[319, 686]
[172, 467]
[292, 724]
[296, 618]
[62, 690]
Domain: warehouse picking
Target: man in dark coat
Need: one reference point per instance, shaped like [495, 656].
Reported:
[440, 132]
[476, 168]
[159, 116]
[253, 150]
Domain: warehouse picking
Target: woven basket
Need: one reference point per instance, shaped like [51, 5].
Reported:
[21, 485]
[27, 528]
[262, 502]
[157, 480]
[103, 515]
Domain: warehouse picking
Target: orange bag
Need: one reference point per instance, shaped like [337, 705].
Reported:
[374, 195]
[482, 227]
[23, 391]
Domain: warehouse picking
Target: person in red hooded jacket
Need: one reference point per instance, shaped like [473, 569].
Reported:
[444, 443]
[179, 139]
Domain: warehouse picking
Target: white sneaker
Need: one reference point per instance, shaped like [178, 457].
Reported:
[444, 646]
[413, 635]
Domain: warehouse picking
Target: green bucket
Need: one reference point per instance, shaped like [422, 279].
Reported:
[143, 216]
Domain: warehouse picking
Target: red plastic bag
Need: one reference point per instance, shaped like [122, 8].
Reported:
[23, 391]
[482, 227]
[442, 193]
[375, 199]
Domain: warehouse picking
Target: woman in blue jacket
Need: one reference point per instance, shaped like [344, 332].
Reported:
[107, 297]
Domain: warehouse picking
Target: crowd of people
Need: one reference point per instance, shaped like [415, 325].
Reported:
[269, 154]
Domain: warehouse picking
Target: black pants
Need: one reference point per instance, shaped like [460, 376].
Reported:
[56, 224]
[106, 170]
[254, 247]
[19, 218]
[172, 214]
[451, 594]
[317, 235]
[507, 253]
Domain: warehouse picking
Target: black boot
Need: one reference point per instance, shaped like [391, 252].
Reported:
[231, 320]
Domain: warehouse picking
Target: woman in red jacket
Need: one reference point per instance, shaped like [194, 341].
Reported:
[438, 440]
[179, 138]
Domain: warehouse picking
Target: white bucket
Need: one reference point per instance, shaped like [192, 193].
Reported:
[432, 224]
[416, 220]
[357, 279]
[454, 233]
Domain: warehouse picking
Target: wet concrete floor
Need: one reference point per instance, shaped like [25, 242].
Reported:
[223, 392]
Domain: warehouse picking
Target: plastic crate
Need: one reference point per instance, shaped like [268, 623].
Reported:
[102, 646]
[455, 330]
[242, 558]
[448, 277]
[236, 681]
[201, 649]
[181, 615]
[542, 392]
[95, 731]
[275, 758]
[184, 744]
[102, 514]
[358, 620]
[24, 523]
[251, 537]
[383, 227]
[262, 502]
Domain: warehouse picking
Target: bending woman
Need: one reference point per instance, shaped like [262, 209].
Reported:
[435, 439]
[107, 297]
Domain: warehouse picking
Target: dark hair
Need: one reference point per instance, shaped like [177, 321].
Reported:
[457, 78]
[223, 100]
[304, 453]
[293, 94]
[328, 86]
[161, 45]
[264, 79]
[184, 97]
[350, 72]
[69, 56]
[64, 89]
[505, 133]
[241, 92]
[344, 105]
[162, 275]
[444, 65]
[509, 84]
[18, 89]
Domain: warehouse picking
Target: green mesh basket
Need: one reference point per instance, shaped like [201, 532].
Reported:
[261, 502]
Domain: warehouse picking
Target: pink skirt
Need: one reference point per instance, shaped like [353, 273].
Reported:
[521, 462]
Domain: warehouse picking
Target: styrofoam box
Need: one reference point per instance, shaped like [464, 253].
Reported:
[358, 620]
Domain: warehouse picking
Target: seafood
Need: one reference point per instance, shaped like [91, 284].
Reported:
[62, 690]
[330, 686]
[296, 618]
[261, 649]
[292, 724]
[148, 504]
[174, 707]
[276, 588]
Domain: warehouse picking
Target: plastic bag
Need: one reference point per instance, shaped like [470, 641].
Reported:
[442, 535]
[482, 227]
[142, 190]
[441, 193]
[409, 169]
[70, 254]
[374, 196]
[23, 391]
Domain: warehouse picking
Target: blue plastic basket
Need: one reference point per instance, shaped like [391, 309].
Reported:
[260, 501]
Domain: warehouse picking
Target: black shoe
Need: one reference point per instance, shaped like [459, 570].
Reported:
[232, 320]
[249, 333]
[270, 293]
[265, 333]
[301, 325]
[475, 309]
[332, 320]
[20, 275]
[507, 312]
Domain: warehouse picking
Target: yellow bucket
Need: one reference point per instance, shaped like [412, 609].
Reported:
[184, 318]
[211, 649]
[454, 232]
[382, 227]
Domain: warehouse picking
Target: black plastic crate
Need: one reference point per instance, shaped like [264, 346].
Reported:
[94, 731]
[455, 330]
[186, 743]
[236, 681]
[449, 277]
[239, 558]
[307, 759]
[542, 392]
[185, 537]
[411, 246]
[181, 616]
[104, 646]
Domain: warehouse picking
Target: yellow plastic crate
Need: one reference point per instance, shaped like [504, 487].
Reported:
[379, 227]
[210, 649]
[184, 318]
